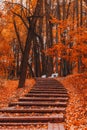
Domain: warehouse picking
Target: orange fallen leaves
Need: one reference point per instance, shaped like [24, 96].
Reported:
[76, 112]
[9, 90]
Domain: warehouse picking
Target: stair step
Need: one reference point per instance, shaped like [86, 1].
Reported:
[44, 104]
[46, 89]
[46, 82]
[42, 99]
[54, 126]
[49, 86]
[29, 119]
[45, 95]
[53, 92]
[59, 104]
[57, 110]
[21, 124]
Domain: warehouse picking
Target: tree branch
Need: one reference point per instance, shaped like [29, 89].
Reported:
[68, 9]
[17, 34]
[15, 4]
[20, 18]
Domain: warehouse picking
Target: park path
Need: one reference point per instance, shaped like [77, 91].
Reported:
[44, 104]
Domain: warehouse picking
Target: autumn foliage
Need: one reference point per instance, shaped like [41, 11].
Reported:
[76, 112]
[59, 37]
[41, 37]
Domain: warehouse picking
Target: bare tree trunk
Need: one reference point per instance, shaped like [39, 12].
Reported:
[64, 10]
[17, 61]
[28, 44]
[77, 12]
[68, 10]
[20, 45]
[81, 11]
[37, 67]
[49, 39]
[58, 10]
[58, 14]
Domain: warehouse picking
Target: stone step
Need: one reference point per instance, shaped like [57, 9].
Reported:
[45, 95]
[48, 89]
[34, 119]
[48, 82]
[59, 104]
[46, 92]
[43, 99]
[48, 86]
[55, 126]
[57, 110]
[44, 104]
[22, 124]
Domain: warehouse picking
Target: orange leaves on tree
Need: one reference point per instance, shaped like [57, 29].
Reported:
[73, 40]
[56, 50]
[6, 57]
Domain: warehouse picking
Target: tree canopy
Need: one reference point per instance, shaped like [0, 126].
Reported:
[40, 37]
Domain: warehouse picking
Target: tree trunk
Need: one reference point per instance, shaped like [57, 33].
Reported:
[81, 11]
[64, 10]
[77, 12]
[49, 40]
[20, 45]
[28, 45]
[17, 61]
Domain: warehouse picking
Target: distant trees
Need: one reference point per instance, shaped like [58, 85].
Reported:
[72, 37]
[6, 53]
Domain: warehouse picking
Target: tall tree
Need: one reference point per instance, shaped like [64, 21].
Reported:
[29, 43]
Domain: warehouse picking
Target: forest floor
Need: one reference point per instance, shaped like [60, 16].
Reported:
[9, 90]
[76, 111]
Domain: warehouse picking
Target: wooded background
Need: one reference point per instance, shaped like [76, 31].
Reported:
[40, 37]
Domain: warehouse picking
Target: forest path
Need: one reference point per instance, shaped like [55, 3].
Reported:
[45, 105]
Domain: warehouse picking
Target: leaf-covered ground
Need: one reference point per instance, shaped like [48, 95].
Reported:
[76, 112]
[9, 90]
